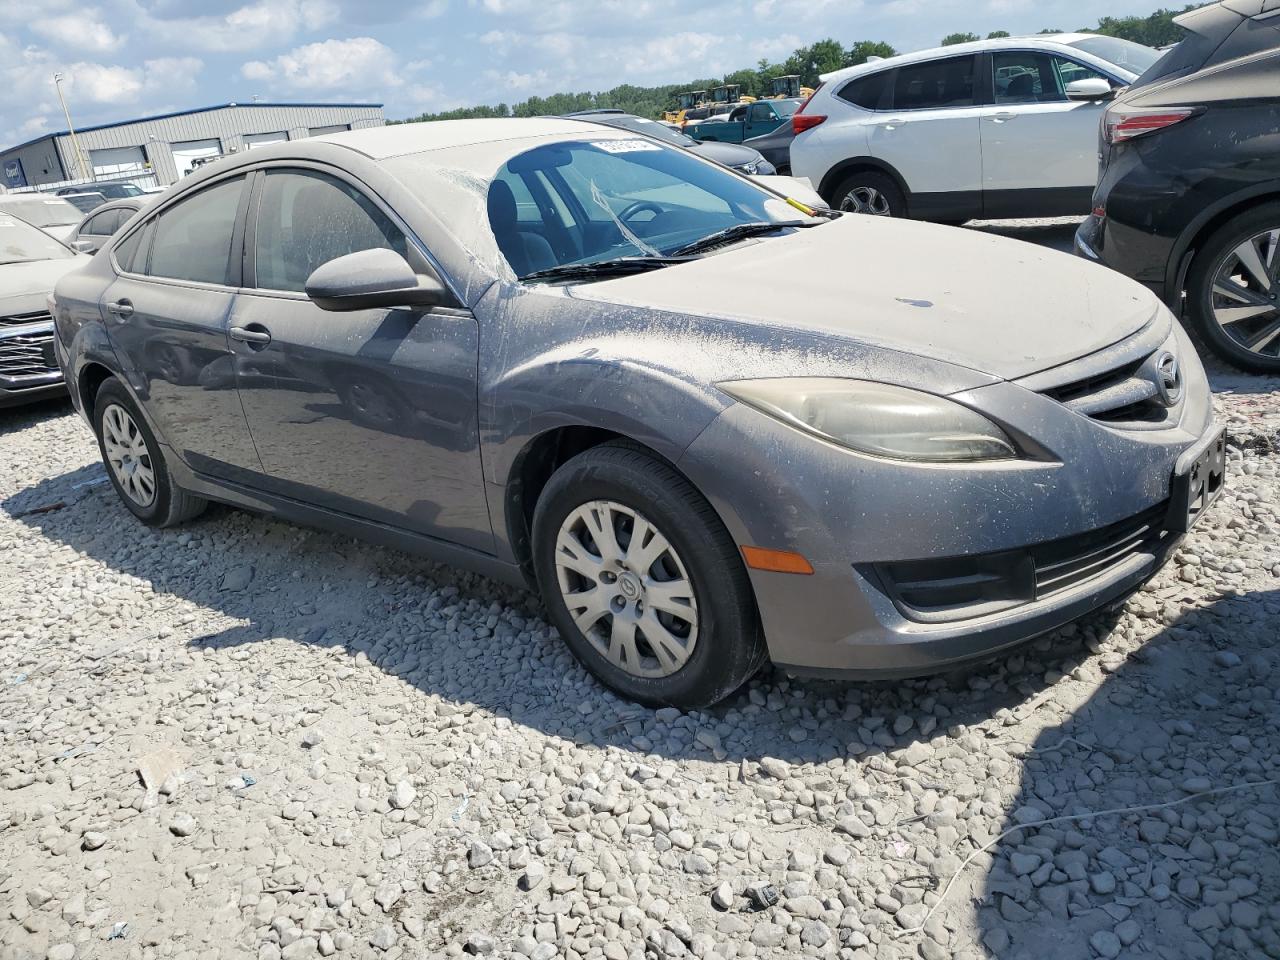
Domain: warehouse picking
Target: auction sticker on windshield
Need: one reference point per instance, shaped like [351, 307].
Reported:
[627, 146]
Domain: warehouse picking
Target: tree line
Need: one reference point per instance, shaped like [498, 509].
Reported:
[809, 63]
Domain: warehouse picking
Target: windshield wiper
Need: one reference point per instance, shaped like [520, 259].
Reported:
[603, 268]
[739, 231]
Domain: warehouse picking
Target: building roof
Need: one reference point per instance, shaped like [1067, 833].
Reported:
[184, 113]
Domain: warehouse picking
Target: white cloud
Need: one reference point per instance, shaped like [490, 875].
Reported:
[360, 63]
[246, 28]
[81, 31]
[34, 126]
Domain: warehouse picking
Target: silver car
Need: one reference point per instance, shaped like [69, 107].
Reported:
[31, 262]
[710, 425]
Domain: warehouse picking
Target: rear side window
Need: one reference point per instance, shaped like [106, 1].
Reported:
[193, 237]
[306, 219]
[866, 92]
[934, 85]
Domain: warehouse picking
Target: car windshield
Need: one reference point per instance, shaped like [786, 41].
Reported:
[650, 128]
[43, 212]
[21, 243]
[581, 202]
[1125, 54]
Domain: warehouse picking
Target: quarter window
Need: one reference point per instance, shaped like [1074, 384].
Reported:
[193, 237]
[934, 85]
[306, 219]
[866, 92]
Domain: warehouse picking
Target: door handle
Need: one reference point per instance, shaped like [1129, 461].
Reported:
[1003, 116]
[890, 124]
[256, 335]
[121, 308]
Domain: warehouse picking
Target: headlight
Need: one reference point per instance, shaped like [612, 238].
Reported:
[876, 418]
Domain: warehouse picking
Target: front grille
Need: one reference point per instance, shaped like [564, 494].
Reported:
[24, 355]
[18, 319]
[1123, 395]
[958, 588]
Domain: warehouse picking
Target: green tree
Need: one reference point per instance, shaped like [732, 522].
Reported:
[864, 50]
[952, 39]
[997, 34]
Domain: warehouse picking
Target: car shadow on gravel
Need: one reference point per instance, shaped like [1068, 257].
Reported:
[1191, 711]
[21, 417]
[457, 637]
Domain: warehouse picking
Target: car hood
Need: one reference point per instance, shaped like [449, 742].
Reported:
[24, 286]
[730, 154]
[1000, 306]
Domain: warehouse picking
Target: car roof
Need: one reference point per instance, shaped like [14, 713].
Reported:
[399, 139]
[1047, 41]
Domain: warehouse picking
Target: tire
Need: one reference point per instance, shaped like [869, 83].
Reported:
[716, 636]
[1218, 259]
[870, 192]
[118, 424]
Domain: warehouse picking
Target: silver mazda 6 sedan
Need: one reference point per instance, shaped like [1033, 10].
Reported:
[711, 425]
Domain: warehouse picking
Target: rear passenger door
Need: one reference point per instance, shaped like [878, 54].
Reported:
[1039, 149]
[928, 132]
[166, 316]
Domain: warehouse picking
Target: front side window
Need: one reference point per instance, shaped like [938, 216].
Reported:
[1068, 71]
[612, 199]
[760, 112]
[1024, 77]
[193, 237]
[103, 224]
[934, 85]
[305, 219]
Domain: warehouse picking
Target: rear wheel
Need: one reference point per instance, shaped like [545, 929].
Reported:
[135, 463]
[643, 581]
[872, 193]
[1233, 291]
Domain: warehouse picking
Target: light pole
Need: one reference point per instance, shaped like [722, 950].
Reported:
[75, 144]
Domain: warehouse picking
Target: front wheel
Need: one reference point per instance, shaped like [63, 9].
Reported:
[871, 192]
[1233, 291]
[642, 580]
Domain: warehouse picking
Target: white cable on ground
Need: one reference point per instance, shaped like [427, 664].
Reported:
[1064, 819]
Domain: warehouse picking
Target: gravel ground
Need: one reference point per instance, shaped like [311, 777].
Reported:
[241, 738]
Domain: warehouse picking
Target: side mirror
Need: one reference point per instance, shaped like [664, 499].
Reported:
[372, 278]
[84, 246]
[1094, 88]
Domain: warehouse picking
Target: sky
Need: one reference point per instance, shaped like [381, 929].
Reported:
[123, 59]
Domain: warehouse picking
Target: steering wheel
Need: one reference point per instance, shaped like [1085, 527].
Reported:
[639, 207]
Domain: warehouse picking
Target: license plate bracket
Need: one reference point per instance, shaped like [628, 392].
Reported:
[1196, 489]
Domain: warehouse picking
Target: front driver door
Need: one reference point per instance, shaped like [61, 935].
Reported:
[370, 413]
[1039, 149]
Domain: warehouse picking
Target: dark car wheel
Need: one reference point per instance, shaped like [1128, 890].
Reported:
[1233, 291]
[870, 192]
[643, 581]
[134, 462]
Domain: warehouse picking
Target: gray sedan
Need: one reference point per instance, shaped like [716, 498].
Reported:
[711, 426]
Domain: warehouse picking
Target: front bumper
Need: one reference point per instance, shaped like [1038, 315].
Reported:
[1095, 520]
[28, 367]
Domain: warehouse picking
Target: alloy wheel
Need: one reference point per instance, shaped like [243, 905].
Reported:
[866, 200]
[1245, 299]
[626, 588]
[127, 453]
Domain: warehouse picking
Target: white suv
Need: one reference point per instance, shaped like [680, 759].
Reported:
[997, 128]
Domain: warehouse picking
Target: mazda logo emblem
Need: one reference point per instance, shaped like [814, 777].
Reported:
[1168, 379]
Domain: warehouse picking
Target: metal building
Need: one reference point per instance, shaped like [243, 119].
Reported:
[160, 150]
